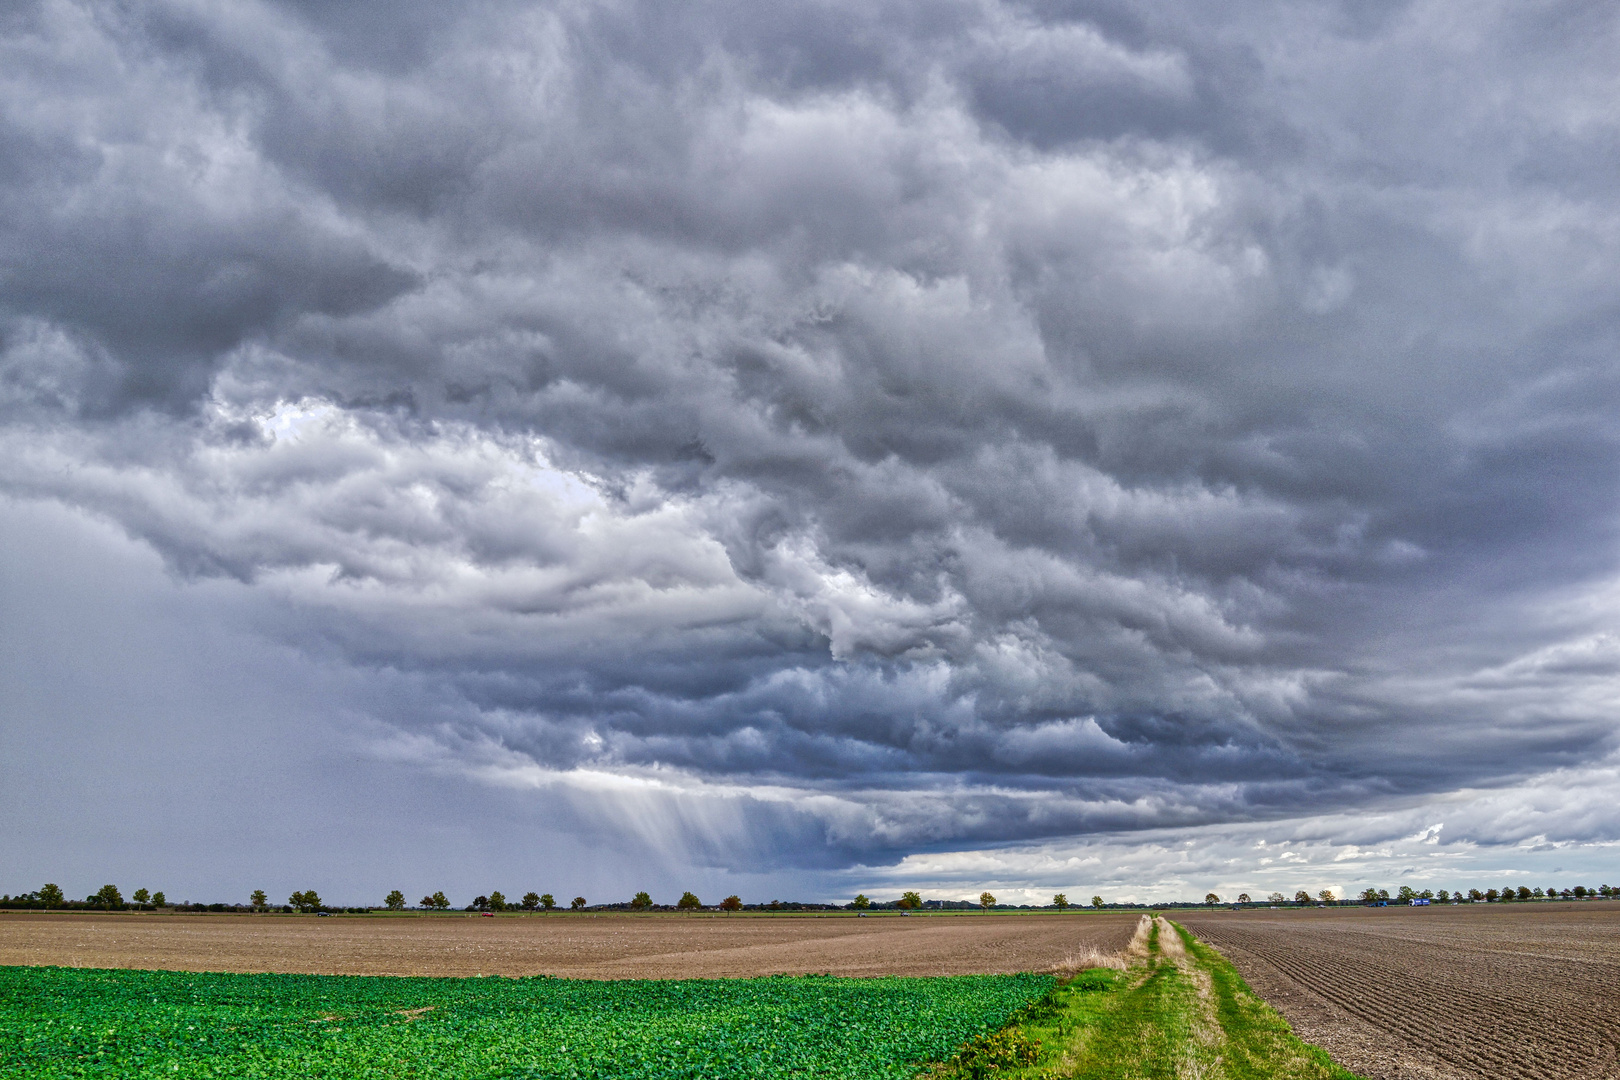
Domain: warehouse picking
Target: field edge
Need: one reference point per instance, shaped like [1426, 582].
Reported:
[1181, 1009]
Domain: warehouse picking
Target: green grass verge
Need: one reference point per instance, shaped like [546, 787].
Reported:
[72, 1022]
[1183, 1013]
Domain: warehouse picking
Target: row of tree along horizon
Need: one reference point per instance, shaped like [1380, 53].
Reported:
[1406, 894]
[110, 898]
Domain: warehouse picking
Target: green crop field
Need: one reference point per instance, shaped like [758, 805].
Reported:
[73, 1022]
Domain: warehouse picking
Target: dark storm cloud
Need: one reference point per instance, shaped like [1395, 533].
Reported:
[917, 424]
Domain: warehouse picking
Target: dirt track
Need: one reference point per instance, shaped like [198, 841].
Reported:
[582, 946]
[1440, 992]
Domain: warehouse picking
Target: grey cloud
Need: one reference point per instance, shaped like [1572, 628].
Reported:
[998, 421]
[149, 225]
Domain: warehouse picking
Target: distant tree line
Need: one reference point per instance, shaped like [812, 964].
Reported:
[1406, 894]
[307, 901]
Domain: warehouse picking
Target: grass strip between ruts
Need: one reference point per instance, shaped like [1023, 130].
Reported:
[1183, 1013]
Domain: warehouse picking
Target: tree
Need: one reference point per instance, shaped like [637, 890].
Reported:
[1211, 899]
[1426, 894]
[51, 895]
[140, 896]
[1475, 895]
[577, 904]
[158, 899]
[1442, 896]
[547, 901]
[1369, 895]
[986, 901]
[862, 901]
[258, 899]
[1383, 894]
[497, 902]
[394, 901]
[531, 900]
[1243, 898]
[688, 902]
[1096, 901]
[1406, 894]
[1060, 901]
[1302, 897]
[1524, 892]
[1491, 895]
[108, 897]
[480, 903]
[306, 901]
[910, 901]
[438, 901]
[1277, 898]
[1326, 896]
[734, 903]
[1580, 890]
[641, 901]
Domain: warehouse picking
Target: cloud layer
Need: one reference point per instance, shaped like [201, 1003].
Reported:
[830, 435]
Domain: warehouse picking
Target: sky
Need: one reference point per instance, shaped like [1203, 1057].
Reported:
[800, 449]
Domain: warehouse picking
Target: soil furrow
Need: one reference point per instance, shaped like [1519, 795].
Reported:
[1439, 992]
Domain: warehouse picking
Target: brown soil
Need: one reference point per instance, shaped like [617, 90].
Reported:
[581, 946]
[1439, 993]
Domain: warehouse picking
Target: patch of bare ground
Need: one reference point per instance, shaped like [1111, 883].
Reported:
[565, 944]
[1096, 956]
[1439, 993]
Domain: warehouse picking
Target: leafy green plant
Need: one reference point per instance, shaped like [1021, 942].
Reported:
[997, 1050]
[58, 1023]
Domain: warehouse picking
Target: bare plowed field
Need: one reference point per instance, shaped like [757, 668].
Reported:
[1442, 992]
[579, 946]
